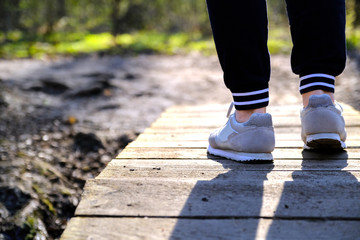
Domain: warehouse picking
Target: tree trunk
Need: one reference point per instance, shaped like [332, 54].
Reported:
[357, 13]
[61, 9]
[9, 15]
[115, 17]
[55, 11]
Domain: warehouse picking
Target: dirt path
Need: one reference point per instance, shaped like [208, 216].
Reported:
[127, 94]
[62, 121]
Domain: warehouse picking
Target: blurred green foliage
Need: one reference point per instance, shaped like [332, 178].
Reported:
[37, 28]
[136, 42]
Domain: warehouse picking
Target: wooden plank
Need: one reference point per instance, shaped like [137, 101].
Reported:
[198, 108]
[352, 138]
[172, 137]
[214, 123]
[224, 108]
[280, 113]
[182, 137]
[176, 153]
[138, 173]
[301, 194]
[165, 186]
[208, 169]
[170, 143]
[164, 228]
[351, 130]
[273, 110]
[213, 126]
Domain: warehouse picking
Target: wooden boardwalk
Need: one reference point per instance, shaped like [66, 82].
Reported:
[165, 186]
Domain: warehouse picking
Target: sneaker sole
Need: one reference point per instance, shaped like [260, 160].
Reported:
[240, 156]
[324, 141]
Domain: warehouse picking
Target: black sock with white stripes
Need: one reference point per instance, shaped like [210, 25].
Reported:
[251, 100]
[317, 81]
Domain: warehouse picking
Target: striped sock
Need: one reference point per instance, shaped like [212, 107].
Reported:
[251, 100]
[317, 81]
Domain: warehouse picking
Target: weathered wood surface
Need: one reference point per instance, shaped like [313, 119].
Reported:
[172, 228]
[221, 109]
[231, 194]
[165, 167]
[200, 153]
[280, 131]
[216, 122]
[171, 143]
[164, 185]
[219, 164]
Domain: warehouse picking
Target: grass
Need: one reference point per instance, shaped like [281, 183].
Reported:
[353, 40]
[135, 43]
[73, 44]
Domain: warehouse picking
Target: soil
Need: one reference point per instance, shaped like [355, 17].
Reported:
[63, 120]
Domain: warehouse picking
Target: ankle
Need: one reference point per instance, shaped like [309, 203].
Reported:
[306, 96]
[244, 115]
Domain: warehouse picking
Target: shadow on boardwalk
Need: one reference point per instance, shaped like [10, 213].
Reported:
[318, 204]
[320, 201]
[225, 207]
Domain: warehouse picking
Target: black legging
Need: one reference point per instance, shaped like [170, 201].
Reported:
[240, 30]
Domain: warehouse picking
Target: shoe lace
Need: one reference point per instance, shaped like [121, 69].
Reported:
[230, 109]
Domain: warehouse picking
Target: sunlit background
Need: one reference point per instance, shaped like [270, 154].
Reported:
[33, 28]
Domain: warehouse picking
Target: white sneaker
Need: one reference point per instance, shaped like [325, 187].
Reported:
[248, 141]
[323, 126]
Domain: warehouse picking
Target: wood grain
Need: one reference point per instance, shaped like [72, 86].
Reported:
[306, 194]
[197, 153]
[164, 185]
[159, 228]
